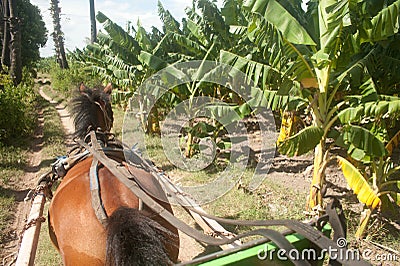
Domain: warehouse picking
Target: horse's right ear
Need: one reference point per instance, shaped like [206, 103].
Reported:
[108, 88]
[82, 88]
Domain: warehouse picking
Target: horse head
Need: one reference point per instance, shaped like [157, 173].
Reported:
[91, 109]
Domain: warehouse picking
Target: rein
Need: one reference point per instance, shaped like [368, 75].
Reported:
[306, 230]
[101, 151]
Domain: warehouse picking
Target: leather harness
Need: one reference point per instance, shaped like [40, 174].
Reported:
[101, 155]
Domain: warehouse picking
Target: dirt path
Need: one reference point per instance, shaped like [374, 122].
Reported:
[66, 120]
[21, 186]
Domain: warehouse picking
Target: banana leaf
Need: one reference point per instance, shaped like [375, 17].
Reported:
[304, 141]
[358, 184]
[360, 143]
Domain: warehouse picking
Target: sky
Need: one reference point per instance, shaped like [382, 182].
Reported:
[75, 21]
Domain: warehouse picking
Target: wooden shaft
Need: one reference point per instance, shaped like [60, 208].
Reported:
[27, 251]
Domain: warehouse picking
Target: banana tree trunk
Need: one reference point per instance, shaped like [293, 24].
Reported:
[189, 143]
[365, 215]
[315, 197]
[154, 123]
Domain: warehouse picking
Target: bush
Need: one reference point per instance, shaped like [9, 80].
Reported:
[17, 109]
[67, 80]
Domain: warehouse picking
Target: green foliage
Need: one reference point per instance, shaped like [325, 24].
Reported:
[361, 144]
[33, 32]
[44, 65]
[68, 80]
[303, 142]
[17, 109]
[336, 64]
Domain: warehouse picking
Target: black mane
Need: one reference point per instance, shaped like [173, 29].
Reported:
[85, 111]
[135, 239]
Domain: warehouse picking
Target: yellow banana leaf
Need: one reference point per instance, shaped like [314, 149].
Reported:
[286, 127]
[358, 184]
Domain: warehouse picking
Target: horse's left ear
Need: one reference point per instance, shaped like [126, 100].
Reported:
[82, 88]
[108, 88]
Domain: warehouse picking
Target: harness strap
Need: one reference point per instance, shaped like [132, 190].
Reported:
[305, 230]
[337, 220]
[97, 204]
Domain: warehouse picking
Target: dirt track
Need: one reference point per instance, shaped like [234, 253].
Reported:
[21, 187]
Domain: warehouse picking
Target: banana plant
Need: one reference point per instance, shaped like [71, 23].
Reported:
[127, 58]
[377, 188]
[316, 59]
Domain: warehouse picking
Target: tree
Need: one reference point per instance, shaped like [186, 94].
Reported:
[33, 31]
[93, 30]
[5, 51]
[58, 35]
[15, 43]
[2, 32]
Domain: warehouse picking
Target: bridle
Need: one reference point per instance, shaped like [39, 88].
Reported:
[107, 119]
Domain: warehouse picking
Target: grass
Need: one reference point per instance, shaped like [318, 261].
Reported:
[53, 134]
[6, 208]
[12, 160]
[268, 201]
[46, 254]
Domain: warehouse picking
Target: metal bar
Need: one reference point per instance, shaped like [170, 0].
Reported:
[208, 225]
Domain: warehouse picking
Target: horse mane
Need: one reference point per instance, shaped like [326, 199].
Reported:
[85, 109]
[135, 239]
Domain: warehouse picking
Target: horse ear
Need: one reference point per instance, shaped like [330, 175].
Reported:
[108, 88]
[82, 87]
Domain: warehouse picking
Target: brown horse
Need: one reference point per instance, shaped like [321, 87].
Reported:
[133, 234]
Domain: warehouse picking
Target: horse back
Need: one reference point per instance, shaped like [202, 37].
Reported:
[74, 227]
